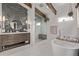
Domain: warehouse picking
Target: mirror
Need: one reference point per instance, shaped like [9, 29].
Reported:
[14, 18]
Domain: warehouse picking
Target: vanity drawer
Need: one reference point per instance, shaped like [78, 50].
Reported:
[22, 37]
[6, 38]
[8, 43]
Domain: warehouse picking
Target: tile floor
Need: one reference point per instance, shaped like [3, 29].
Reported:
[43, 48]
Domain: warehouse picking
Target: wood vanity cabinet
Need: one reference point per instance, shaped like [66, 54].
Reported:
[9, 39]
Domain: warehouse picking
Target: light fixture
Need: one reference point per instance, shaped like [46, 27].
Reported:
[70, 14]
[38, 24]
[62, 19]
[3, 18]
[26, 21]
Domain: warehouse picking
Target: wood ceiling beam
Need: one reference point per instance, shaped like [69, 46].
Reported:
[37, 11]
[51, 7]
[28, 4]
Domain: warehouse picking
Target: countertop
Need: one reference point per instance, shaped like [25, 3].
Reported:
[13, 33]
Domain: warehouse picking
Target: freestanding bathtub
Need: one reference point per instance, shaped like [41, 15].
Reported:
[64, 48]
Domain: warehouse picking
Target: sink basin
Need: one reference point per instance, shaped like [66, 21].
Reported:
[64, 48]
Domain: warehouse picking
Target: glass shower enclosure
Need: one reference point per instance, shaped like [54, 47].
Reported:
[40, 28]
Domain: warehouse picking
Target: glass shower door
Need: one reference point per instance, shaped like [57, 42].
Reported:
[40, 28]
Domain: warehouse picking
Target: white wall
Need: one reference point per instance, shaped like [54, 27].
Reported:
[69, 28]
[52, 22]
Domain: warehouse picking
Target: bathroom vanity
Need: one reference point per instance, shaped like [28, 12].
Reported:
[14, 38]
